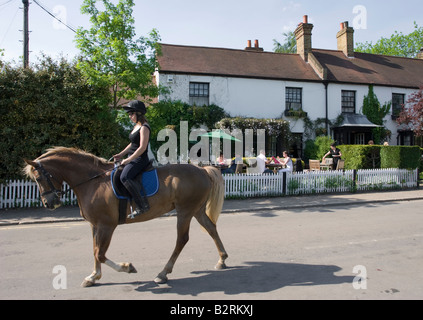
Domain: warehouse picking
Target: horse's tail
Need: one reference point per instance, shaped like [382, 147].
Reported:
[217, 194]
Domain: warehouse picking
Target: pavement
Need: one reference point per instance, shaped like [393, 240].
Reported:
[67, 214]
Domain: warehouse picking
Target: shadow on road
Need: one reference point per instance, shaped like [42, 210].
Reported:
[254, 277]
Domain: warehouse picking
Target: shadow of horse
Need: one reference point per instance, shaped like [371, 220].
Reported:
[254, 277]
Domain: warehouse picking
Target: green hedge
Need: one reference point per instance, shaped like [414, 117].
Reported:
[403, 157]
[376, 156]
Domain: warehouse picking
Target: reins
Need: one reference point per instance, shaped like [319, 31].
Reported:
[48, 176]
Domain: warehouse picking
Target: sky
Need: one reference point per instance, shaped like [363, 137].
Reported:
[217, 23]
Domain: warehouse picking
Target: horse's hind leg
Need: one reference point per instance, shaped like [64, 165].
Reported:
[210, 227]
[182, 238]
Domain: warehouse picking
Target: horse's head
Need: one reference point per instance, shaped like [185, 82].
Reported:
[49, 187]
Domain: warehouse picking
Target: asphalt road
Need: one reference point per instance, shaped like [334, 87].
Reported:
[367, 251]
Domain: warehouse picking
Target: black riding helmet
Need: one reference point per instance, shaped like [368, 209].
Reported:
[135, 106]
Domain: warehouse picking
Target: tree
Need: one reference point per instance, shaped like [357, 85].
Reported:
[290, 45]
[375, 112]
[397, 45]
[111, 57]
[414, 114]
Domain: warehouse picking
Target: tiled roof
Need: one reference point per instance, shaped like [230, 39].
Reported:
[367, 68]
[364, 68]
[234, 63]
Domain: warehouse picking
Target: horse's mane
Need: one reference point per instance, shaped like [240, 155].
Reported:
[61, 151]
[64, 150]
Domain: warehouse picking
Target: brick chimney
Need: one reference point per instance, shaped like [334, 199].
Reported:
[303, 37]
[346, 39]
[255, 48]
[420, 54]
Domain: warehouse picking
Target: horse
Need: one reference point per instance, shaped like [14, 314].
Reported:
[193, 191]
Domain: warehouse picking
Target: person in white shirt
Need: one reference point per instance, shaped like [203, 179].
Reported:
[287, 162]
[261, 163]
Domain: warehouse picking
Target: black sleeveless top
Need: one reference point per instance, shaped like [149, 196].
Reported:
[135, 142]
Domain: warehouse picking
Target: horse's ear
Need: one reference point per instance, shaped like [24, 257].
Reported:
[30, 162]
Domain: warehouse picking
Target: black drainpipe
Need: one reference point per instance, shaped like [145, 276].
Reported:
[326, 84]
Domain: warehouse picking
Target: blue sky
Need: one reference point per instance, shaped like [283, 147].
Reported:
[217, 23]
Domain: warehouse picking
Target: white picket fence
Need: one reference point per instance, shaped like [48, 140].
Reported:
[253, 185]
[24, 193]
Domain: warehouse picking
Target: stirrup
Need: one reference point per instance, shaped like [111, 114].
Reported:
[137, 212]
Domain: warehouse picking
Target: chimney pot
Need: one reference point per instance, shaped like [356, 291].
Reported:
[345, 38]
[303, 37]
[249, 44]
[256, 44]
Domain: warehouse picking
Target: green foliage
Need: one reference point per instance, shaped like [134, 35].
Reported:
[289, 46]
[316, 149]
[323, 145]
[51, 105]
[375, 112]
[111, 57]
[169, 114]
[377, 156]
[399, 44]
[361, 156]
[274, 127]
[403, 157]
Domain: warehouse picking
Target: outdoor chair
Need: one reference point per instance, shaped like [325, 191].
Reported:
[252, 168]
[341, 164]
[238, 168]
[314, 165]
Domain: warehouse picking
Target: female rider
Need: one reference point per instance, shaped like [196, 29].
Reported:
[137, 152]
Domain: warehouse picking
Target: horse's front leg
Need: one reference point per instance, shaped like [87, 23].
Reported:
[102, 235]
[96, 274]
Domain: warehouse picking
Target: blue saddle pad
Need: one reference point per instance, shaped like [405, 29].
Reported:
[150, 181]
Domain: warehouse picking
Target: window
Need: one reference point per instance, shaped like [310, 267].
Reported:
[348, 101]
[199, 93]
[293, 99]
[359, 138]
[397, 103]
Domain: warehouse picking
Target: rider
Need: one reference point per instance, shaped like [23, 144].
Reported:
[137, 152]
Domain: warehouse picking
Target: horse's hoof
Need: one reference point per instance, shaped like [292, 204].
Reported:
[131, 269]
[160, 280]
[220, 266]
[87, 283]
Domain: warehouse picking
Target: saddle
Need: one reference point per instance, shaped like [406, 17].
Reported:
[147, 180]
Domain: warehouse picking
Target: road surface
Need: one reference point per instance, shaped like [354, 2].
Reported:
[371, 251]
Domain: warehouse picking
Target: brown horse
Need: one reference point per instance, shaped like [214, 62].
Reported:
[192, 191]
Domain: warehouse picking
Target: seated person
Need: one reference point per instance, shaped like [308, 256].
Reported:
[221, 160]
[232, 168]
[287, 162]
[261, 163]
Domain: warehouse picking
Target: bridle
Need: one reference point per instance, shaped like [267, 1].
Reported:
[43, 174]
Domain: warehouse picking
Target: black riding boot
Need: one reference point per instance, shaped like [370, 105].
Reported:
[141, 201]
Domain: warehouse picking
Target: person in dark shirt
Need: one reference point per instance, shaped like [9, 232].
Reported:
[137, 151]
[335, 153]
